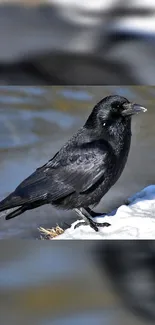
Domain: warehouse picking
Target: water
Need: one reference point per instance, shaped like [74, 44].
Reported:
[34, 124]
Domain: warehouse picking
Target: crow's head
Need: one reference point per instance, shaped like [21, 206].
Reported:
[117, 106]
[113, 108]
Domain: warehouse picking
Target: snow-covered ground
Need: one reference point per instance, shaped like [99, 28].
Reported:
[136, 220]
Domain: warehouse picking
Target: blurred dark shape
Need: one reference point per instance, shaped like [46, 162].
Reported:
[73, 42]
[130, 266]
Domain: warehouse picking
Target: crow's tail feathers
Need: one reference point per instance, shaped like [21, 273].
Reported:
[16, 212]
[11, 201]
[24, 208]
[22, 205]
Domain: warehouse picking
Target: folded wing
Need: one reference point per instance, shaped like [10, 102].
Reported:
[75, 170]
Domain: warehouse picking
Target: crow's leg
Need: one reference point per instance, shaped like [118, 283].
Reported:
[87, 220]
[94, 214]
[83, 213]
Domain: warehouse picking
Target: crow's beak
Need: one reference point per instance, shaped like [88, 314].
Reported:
[131, 109]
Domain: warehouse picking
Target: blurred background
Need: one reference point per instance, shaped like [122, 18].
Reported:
[47, 282]
[68, 42]
[77, 283]
[77, 42]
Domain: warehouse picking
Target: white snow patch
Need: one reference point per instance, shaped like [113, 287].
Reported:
[133, 221]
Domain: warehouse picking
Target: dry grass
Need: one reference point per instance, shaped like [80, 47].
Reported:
[50, 233]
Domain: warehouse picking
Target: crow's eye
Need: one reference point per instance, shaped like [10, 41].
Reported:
[117, 107]
[115, 104]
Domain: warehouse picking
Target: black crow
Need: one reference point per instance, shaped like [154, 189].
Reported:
[85, 168]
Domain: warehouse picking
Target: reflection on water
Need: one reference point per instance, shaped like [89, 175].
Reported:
[21, 127]
[34, 124]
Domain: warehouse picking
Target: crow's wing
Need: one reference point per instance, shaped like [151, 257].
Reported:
[76, 170]
[79, 169]
[80, 173]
